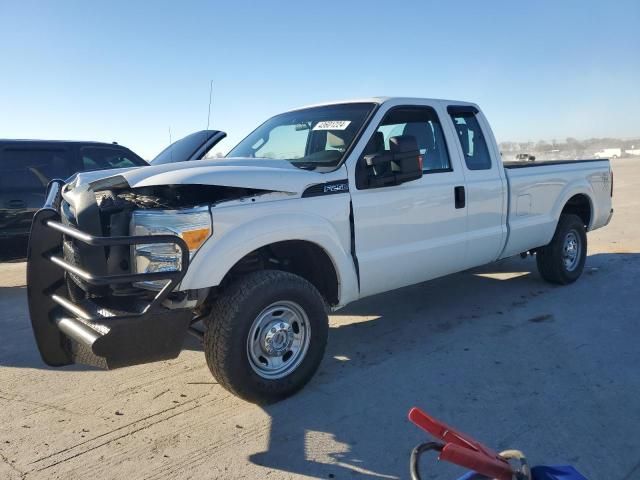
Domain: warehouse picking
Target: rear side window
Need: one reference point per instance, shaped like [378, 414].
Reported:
[471, 138]
[101, 158]
[32, 168]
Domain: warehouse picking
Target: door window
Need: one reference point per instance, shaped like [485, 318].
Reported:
[421, 123]
[474, 147]
[32, 169]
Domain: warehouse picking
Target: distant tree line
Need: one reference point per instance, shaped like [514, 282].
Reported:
[569, 144]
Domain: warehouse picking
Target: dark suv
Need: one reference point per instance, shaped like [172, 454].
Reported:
[27, 166]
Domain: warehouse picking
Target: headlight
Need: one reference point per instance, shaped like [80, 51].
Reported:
[192, 225]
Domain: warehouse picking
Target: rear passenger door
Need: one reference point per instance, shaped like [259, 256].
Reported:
[485, 184]
[415, 231]
[25, 170]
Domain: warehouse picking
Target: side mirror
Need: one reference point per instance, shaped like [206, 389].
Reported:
[402, 164]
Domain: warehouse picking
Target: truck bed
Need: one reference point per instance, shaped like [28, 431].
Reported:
[539, 190]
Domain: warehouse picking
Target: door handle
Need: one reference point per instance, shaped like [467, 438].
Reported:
[459, 195]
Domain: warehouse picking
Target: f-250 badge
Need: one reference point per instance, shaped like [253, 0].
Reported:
[336, 187]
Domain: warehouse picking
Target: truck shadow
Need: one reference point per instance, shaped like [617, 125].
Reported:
[416, 346]
[18, 346]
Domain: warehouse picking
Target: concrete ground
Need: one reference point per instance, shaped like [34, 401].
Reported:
[517, 363]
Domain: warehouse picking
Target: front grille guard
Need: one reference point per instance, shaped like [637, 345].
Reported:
[86, 332]
[174, 277]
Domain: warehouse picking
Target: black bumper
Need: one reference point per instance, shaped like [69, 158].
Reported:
[97, 331]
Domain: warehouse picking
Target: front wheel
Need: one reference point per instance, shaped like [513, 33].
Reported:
[562, 261]
[266, 335]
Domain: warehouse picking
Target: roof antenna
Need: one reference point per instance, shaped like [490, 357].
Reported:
[210, 94]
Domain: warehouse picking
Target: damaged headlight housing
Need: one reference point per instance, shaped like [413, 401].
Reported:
[192, 225]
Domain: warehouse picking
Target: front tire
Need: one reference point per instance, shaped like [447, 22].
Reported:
[266, 335]
[562, 261]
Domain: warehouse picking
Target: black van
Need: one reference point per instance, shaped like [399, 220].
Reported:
[27, 166]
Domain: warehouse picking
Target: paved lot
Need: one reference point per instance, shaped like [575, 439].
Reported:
[553, 371]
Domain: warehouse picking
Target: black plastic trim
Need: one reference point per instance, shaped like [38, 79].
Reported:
[550, 162]
[453, 109]
[460, 196]
[328, 188]
[353, 243]
[437, 170]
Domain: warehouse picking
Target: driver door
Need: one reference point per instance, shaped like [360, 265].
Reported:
[415, 231]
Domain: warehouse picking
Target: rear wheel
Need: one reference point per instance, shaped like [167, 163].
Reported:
[266, 335]
[562, 261]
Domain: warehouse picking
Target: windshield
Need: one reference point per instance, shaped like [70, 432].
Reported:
[184, 148]
[309, 138]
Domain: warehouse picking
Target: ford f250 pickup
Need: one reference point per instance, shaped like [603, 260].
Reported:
[318, 207]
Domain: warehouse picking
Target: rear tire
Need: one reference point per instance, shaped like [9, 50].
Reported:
[266, 335]
[562, 260]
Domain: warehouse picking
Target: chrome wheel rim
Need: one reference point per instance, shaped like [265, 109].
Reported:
[278, 340]
[571, 251]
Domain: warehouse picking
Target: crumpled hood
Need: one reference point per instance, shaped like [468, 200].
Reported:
[262, 174]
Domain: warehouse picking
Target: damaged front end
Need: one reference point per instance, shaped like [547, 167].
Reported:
[83, 310]
[104, 263]
[99, 293]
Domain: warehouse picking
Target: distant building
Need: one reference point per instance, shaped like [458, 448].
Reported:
[609, 153]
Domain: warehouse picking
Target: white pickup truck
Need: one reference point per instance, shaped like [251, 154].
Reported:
[318, 207]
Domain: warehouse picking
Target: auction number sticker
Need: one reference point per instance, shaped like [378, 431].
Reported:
[332, 125]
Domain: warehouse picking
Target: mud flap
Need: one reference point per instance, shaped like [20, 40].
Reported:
[92, 332]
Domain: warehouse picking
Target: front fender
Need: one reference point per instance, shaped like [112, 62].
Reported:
[230, 243]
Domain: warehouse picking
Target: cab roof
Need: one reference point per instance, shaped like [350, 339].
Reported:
[382, 100]
[25, 141]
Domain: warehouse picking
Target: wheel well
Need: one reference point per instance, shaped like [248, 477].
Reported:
[581, 206]
[299, 257]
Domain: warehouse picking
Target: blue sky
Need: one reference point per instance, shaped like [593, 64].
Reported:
[130, 70]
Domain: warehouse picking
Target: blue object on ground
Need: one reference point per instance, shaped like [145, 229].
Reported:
[541, 472]
[473, 476]
[564, 472]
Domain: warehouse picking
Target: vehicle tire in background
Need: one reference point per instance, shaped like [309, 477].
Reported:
[562, 260]
[266, 335]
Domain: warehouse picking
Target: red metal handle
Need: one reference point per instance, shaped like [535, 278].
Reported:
[462, 449]
[477, 462]
[441, 430]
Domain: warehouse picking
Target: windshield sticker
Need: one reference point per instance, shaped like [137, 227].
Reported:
[332, 125]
